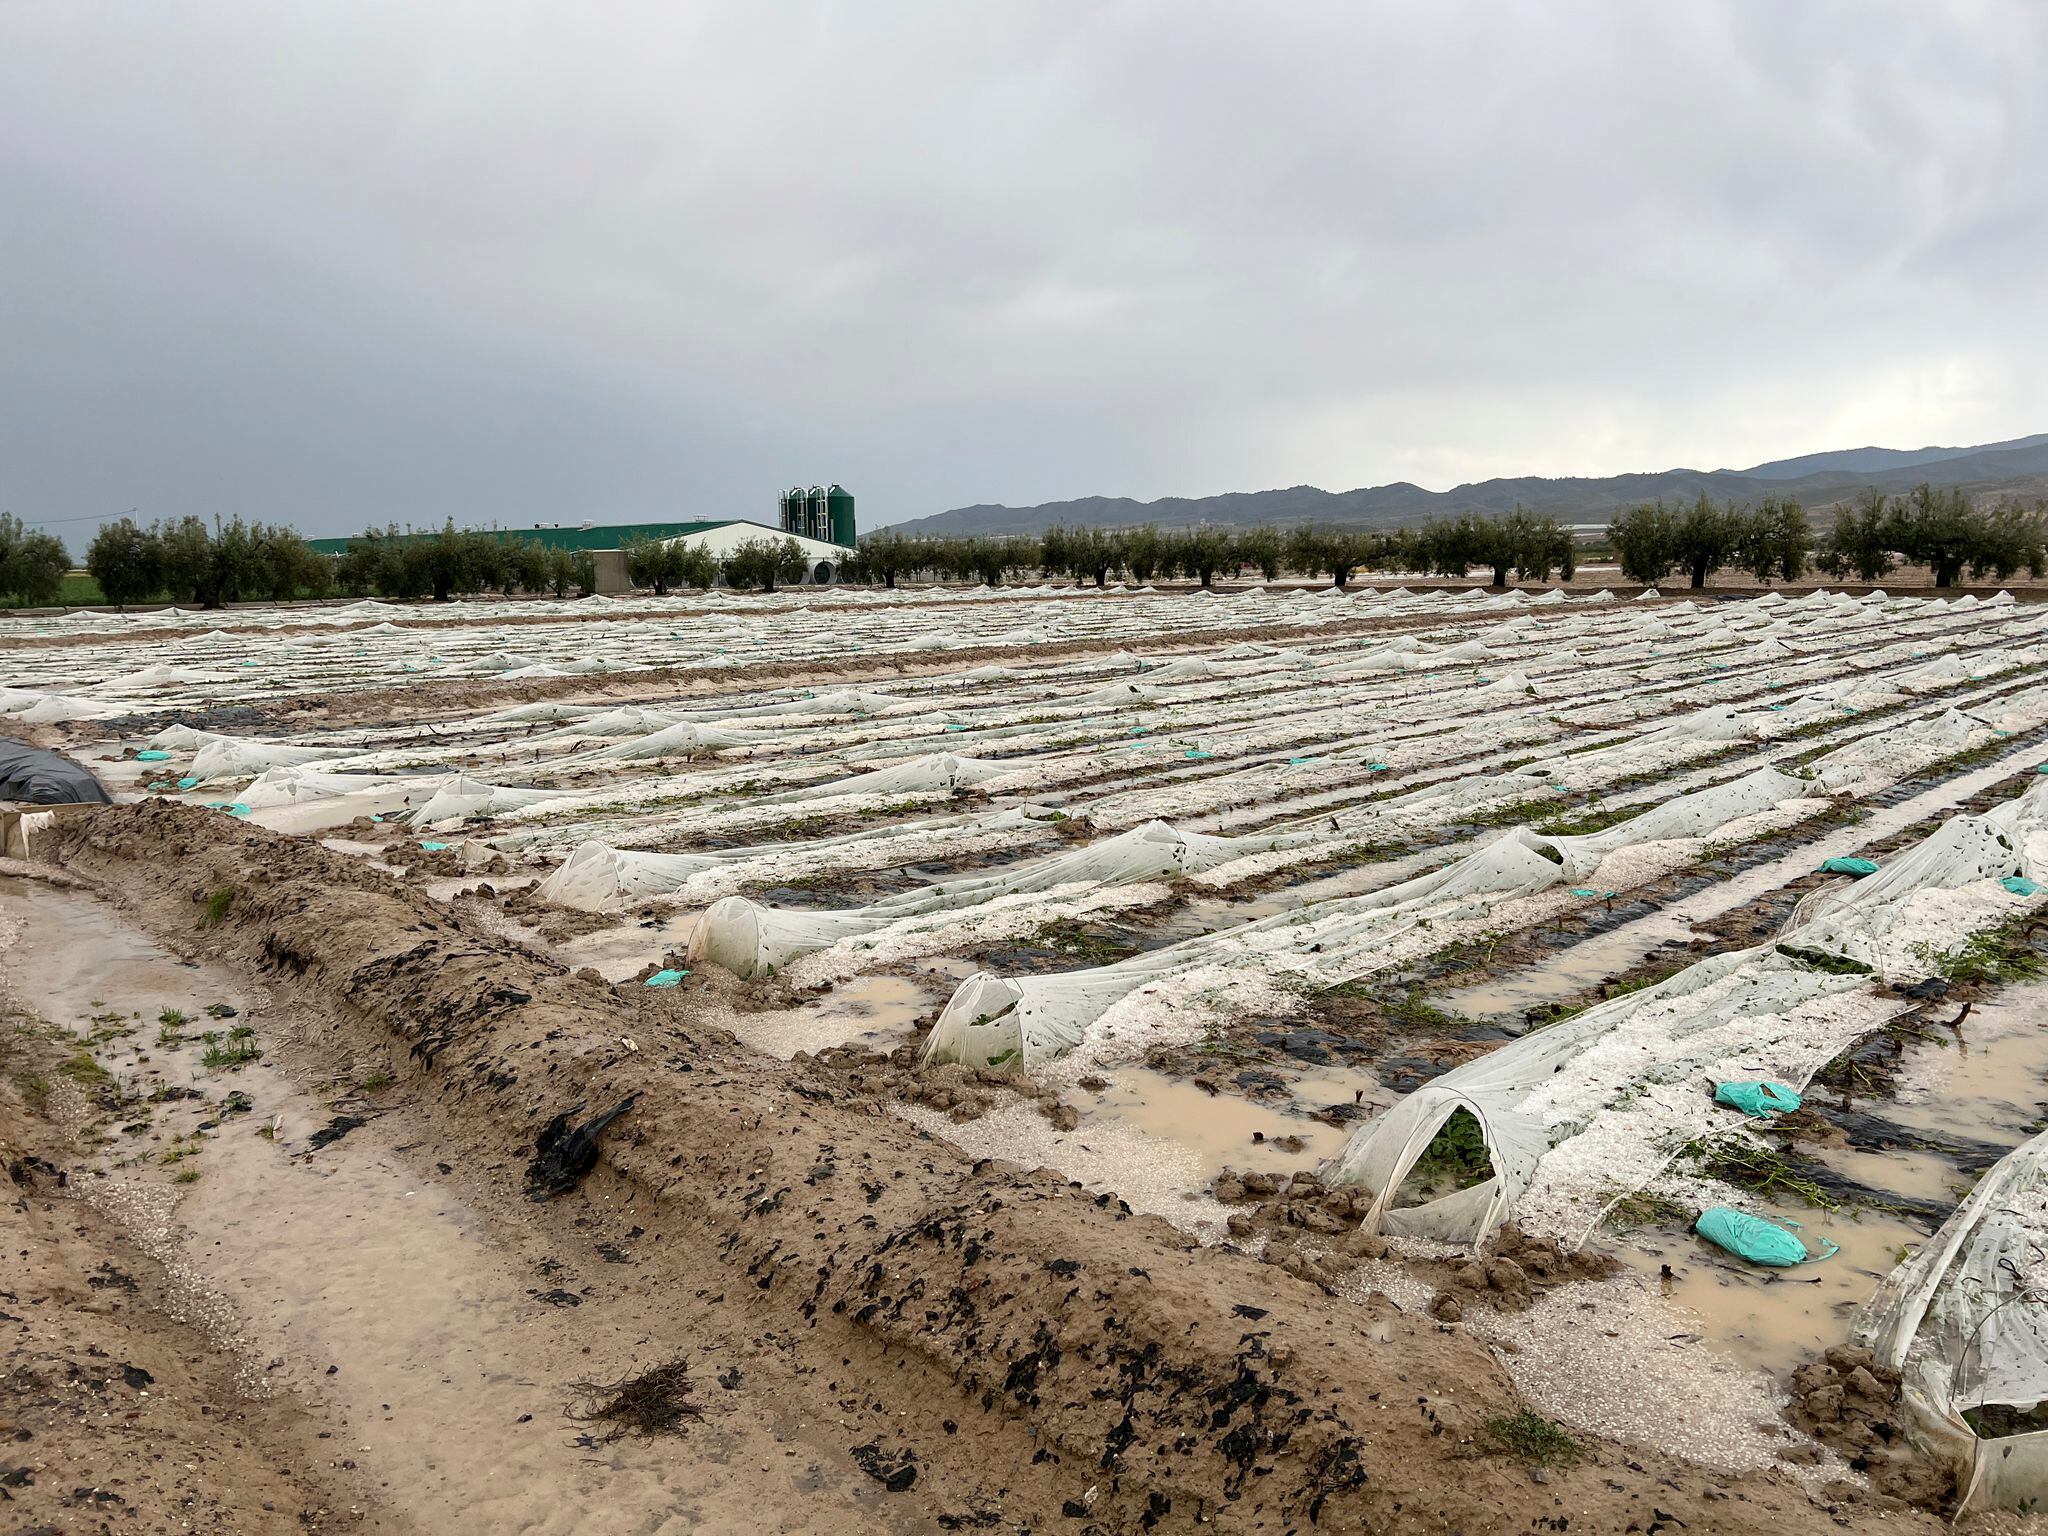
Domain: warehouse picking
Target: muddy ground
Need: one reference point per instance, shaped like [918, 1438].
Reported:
[396, 1237]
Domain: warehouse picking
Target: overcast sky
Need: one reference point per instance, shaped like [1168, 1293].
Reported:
[342, 262]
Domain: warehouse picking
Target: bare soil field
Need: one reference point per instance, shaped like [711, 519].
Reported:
[1038, 1060]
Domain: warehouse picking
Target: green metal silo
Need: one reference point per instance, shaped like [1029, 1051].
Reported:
[814, 513]
[795, 505]
[839, 510]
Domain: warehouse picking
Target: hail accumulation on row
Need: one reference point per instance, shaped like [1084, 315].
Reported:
[1132, 828]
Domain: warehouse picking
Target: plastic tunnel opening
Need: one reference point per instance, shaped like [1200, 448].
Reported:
[1455, 1160]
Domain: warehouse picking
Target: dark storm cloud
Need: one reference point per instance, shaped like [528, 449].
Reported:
[352, 263]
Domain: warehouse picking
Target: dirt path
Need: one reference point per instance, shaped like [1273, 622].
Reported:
[353, 1303]
[883, 1335]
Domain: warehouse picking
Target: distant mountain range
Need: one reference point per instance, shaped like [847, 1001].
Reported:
[1821, 481]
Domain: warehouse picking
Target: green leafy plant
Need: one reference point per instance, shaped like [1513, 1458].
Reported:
[1530, 1437]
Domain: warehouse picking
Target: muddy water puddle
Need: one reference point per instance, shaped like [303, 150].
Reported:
[1223, 1130]
[1990, 1088]
[1569, 973]
[1775, 1318]
[617, 953]
[878, 1012]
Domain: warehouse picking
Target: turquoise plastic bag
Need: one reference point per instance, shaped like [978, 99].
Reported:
[1757, 1098]
[1753, 1238]
[2020, 885]
[153, 755]
[188, 783]
[432, 847]
[1857, 867]
[666, 978]
[1198, 752]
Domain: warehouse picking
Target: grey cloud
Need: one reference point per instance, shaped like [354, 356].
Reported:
[348, 264]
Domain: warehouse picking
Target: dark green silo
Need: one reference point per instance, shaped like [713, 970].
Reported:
[839, 513]
[795, 506]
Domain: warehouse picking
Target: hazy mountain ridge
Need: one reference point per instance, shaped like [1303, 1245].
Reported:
[2018, 466]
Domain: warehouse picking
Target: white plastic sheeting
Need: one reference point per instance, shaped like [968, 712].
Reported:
[686, 738]
[1030, 1020]
[1965, 1323]
[230, 757]
[749, 939]
[596, 877]
[459, 797]
[1888, 921]
[1675, 1033]
[1033, 1019]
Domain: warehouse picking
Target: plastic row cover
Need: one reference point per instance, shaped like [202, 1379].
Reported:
[748, 939]
[1965, 1323]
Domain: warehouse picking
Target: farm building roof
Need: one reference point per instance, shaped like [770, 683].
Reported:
[597, 536]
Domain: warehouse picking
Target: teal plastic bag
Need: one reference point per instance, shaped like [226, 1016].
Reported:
[666, 978]
[1198, 752]
[1753, 1238]
[2020, 885]
[432, 847]
[1757, 1098]
[153, 755]
[188, 783]
[1857, 867]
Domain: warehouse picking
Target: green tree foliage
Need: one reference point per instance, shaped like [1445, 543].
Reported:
[1773, 539]
[1093, 554]
[665, 564]
[761, 563]
[1202, 552]
[1340, 551]
[1860, 543]
[887, 555]
[32, 564]
[1263, 549]
[2012, 540]
[126, 562]
[1704, 538]
[1940, 529]
[1937, 529]
[234, 561]
[1644, 543]
[1146, 554]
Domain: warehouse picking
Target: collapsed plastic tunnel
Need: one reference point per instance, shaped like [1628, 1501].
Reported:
[1965, 1323]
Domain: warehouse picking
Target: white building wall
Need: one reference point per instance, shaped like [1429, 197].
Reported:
[727, 537]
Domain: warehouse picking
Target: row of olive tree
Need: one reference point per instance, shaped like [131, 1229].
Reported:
[1519, 544]
[32, 565]
[667, 565]
[185, 561]
[1770, 540]
[1942, 530]
[456, 562]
